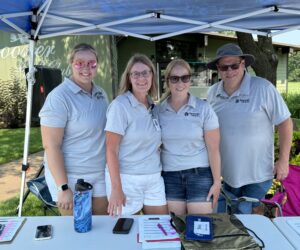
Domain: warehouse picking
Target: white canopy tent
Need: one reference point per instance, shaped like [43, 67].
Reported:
[149, 20]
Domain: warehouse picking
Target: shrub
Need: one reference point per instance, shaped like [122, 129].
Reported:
[295, 150]
[293, 102]
[12, 102]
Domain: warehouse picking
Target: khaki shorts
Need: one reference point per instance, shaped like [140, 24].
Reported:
[140, 190]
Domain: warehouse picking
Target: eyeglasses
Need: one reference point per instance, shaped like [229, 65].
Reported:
[234, 66]
[175, 79]
[144, 74]
[79, 64]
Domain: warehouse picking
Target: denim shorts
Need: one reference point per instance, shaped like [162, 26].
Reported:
[191, 185]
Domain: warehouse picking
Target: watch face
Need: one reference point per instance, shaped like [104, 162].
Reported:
[64, 187]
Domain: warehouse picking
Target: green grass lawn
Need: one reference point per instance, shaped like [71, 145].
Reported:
[32, 207]
[293, 88]
[12, 142]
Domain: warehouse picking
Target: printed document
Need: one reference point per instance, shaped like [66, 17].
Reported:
[156, 228]
[156, 232]
[9, 228]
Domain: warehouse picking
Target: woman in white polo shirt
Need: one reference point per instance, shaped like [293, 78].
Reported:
[190, 150]
[72, 124]
[133, 138]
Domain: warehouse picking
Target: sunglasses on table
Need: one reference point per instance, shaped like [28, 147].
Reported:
[175, 79]
[79, 64]
[137, 74]
[225, 67]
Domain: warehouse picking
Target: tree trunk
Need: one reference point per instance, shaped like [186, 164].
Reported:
[266, 59]
[114, 65]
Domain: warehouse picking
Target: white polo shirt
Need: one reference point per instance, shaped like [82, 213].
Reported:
[183, 134]
[247, 133]
[139, 147]
[83, 117]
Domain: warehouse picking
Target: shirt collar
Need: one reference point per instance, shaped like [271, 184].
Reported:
[244, 89]
[72, 86]
[191, 102]
[76, 89]
[133, 101]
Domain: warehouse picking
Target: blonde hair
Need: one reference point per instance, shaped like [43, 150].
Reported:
[174, 63]
[125, 83]
[82, 47]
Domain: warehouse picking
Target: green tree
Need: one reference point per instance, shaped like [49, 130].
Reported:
[294, 67]
[266, 61]
[12, 101]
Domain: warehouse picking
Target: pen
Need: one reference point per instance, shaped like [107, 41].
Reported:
[162, 229]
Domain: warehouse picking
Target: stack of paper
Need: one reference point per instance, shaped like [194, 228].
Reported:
[156, 232]
[9, 228]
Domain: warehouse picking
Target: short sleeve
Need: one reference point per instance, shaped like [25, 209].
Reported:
[54, 112]
[276, 108]
[116, 118]
[210, 118]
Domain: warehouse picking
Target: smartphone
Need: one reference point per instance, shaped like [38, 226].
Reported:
[43, 232]
[123, 226]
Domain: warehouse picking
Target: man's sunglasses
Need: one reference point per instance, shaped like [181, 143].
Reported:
[175, 79]
[234, 66]
[79, 64]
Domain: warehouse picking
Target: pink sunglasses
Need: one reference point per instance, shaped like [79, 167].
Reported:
[79, 64]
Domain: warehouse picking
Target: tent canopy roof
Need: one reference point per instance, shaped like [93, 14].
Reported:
[146, 19]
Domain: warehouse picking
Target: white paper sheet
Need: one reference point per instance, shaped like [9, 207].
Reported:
[149, 229]
[9, 228]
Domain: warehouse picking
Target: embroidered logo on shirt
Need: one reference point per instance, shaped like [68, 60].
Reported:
[98, 95]
[192, 114]
[222, 97]
[242, 100]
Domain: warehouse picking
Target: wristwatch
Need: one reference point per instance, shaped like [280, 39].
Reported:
[63, 187]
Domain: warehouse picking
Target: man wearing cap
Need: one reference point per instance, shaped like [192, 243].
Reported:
[248, 107]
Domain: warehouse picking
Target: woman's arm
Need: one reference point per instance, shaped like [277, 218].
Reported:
[52, 141]
[117, 197]
[212, 140]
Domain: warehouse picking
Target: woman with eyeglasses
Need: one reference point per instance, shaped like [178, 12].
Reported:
[133, 138]
[72, 125]
[190, 145]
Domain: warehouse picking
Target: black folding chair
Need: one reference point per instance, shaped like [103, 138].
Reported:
[39, 188]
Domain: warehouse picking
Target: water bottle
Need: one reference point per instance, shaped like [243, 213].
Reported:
[82, 209]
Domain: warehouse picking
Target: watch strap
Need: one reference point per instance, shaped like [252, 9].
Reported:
[63, 187]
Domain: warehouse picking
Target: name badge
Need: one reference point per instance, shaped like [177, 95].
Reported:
[156, 124]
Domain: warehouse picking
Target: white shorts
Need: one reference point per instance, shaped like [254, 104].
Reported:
[97, 180]
[140, 190]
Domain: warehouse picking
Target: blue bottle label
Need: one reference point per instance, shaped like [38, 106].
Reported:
[82, 211]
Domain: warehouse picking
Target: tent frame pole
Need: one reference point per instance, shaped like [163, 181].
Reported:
[31, 81]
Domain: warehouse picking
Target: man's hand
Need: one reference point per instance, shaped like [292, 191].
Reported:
[281, 170]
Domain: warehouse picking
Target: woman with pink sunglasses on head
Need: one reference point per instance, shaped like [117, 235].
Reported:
[72, 125]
